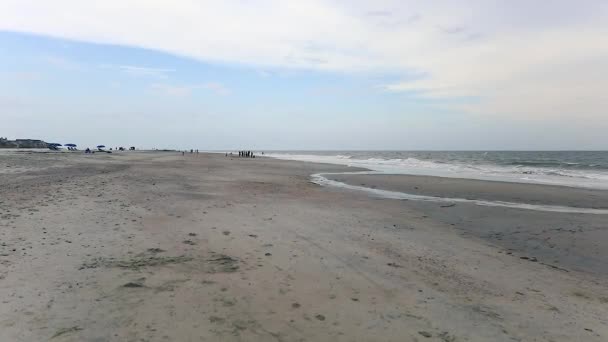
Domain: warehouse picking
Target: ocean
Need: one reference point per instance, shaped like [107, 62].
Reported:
[586, 169]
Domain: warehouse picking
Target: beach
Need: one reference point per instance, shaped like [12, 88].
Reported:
[156, 246]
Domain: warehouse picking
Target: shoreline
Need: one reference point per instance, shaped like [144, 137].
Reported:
[159, 246]
[475, 189]
[548, 197]
[537, 175]
[542, 224]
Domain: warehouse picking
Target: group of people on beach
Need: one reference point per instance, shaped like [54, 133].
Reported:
[246, 154]
[192, 151]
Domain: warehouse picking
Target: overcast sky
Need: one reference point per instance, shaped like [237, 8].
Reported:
[343, 74]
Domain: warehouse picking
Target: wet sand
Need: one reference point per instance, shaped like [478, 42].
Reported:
[159, 247]
[482, 190]
[564, 240]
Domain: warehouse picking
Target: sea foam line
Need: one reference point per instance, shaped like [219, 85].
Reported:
[318, 178]
[586, 179]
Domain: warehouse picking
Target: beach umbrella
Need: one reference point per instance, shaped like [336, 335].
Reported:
[70, 145]
[101, 146]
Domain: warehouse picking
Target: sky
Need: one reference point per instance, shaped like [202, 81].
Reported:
[305, 75]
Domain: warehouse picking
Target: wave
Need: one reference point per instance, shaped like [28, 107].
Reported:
[556, 164]
[321, 180]
[520, 172]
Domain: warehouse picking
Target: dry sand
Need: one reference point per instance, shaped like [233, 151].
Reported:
[160, 247]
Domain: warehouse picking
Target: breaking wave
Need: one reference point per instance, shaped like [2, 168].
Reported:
[591, 172]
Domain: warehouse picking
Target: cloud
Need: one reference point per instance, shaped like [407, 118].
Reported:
[453, 30]
[547, 74]
[379, 13]
[140, 71]
[515, 58]
[186, 90]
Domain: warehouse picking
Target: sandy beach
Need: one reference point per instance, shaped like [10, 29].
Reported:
[156, 246]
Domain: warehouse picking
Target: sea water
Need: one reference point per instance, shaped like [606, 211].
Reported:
[586, 169]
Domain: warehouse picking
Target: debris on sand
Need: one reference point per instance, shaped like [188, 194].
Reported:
[151, 261]
[425, 334]
[555, 267]
[533, 259]
[133, 284]
[445, 337]
[215, 319]
[189, 242]
[240, 325]
[136, 263]
[222, 263]
[155, 250]
[320, 317]
[66, 331]
[392, 264]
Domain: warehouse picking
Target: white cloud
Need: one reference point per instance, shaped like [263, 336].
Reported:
[186, 90]
[140, 71]
[518, 58]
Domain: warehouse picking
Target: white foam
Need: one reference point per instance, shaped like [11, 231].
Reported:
[321, 180]
[412, 166]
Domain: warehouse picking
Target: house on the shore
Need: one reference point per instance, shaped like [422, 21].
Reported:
[22, 143]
